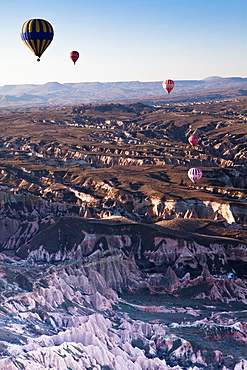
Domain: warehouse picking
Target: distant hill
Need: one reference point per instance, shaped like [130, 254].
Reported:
[54, 93]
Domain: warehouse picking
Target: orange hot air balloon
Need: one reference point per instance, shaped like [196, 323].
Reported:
[74, 55]
[193, 140]
[168, 85]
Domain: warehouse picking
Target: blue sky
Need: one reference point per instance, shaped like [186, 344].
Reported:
[145, 40]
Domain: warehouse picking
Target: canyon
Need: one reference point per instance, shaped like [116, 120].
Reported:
[110, 257]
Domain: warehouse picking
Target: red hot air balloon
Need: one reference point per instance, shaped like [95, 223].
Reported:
[194, 174]
[74, 55]
[168, 85]
[193, 140]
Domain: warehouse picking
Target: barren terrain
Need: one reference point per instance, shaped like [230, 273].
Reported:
[110, 257]
[54, 93]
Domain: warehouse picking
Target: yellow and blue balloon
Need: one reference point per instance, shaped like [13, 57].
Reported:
[37, 34]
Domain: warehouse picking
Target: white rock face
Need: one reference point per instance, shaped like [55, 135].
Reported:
[91, 345]
[62, 323]
[241, 365]
[60, 303]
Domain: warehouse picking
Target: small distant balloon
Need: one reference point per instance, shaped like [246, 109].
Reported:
[193, 140]
[37, 34]
[74, 55]
[194, 174]
[168, 85]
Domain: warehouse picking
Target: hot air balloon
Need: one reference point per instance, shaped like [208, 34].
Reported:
[193, 140]
[37, 34]
[168, 85]
[74, 55]
[194, 174]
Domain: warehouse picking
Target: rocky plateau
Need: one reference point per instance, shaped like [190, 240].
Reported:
[110, 257]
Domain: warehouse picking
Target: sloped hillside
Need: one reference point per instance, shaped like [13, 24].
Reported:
[110, 257]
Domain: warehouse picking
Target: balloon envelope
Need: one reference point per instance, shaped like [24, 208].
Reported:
[193, 140]
[74, 55]
[168, 85]
[194, 174]
[37, 34]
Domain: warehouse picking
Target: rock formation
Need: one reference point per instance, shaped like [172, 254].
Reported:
[109, 258]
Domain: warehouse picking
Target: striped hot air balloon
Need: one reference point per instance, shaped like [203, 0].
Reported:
[37, 34]
[74, 55]
[194, 174]
[168, 85]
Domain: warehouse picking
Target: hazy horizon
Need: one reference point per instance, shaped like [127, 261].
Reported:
[124, 81]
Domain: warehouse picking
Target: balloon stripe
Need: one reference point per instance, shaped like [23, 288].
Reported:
[30, 25]
[37, 27]
[49, 27]
[46, 44]
[42, 49]
[43, 26]
[38, 46]
[24, 27]
[27, 43]
[34, 47]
